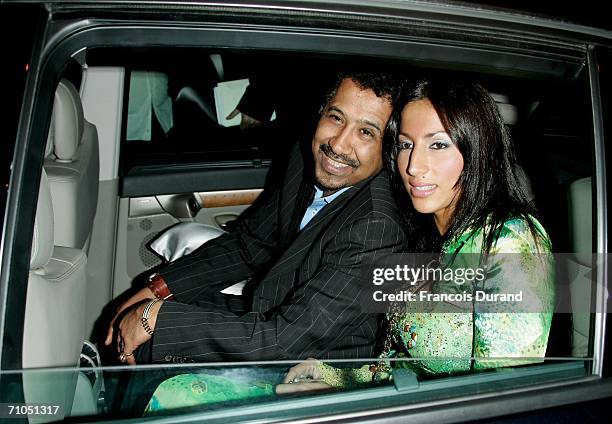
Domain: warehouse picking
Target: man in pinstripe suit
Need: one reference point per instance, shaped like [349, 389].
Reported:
[300, 247]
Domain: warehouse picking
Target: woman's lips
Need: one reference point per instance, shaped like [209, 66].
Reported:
[334, 167]
[422, 190]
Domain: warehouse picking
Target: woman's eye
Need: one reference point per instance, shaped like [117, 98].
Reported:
[404, 145]
[439, 145]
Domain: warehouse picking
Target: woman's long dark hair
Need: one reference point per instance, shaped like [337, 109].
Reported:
[490, 192]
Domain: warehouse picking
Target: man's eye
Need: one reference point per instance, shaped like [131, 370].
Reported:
[439, 145]
[335, 118]
[404, 145]
[367, 132]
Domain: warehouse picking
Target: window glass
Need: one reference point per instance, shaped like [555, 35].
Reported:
[177, 103]
[241, 391]
[148, 101]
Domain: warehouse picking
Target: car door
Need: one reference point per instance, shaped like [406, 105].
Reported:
[154, 198]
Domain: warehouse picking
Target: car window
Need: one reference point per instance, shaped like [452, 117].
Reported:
[541, 126]
[175, 160]
[177, 102]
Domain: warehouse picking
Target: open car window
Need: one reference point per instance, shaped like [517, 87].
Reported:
[167, 155]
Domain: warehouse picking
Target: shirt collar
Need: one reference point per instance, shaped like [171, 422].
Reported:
[328, 199]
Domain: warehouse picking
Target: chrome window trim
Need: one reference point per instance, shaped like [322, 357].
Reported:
[383, 9]
[600, 214]
[498, 404]
[442, 53]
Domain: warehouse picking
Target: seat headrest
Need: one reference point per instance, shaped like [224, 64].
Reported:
[67, 121]
[581, 220]
[42, 239]
[507, 110]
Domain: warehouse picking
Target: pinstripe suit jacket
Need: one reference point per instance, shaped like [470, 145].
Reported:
[303, 296]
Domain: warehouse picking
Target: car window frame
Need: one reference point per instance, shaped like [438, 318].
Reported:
[49, 58]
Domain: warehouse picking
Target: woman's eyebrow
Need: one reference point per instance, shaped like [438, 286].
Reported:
[433, 134]
[428, 135]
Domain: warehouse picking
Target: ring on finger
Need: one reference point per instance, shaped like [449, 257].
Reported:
[122, 357]
[128, 354]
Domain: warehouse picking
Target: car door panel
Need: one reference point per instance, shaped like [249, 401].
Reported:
[169, 179]
[143, 217]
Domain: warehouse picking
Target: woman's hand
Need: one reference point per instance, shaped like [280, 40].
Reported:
[303, 377]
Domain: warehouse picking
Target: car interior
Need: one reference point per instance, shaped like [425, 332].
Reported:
[138, 168]
[207, 174]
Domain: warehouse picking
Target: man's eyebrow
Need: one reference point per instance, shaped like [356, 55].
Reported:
[363, 121]
[335, 109]
[372, 124]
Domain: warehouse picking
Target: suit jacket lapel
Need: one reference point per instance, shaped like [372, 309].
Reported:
[291, 259]
[303, 199]
[270, 292]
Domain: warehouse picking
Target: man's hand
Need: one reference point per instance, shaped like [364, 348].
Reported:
[142, 294]
[304, 377]
[131, 333]
[245, 120]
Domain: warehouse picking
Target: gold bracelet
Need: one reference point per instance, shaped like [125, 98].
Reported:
[145, 315]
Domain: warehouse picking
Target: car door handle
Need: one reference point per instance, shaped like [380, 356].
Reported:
[226, 221]
[181, 206]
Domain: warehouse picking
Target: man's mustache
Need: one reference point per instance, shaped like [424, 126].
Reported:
[328, 151]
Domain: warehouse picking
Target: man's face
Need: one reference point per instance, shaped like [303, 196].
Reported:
[347, 145]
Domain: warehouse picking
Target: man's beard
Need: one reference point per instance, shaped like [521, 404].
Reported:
[327, 186]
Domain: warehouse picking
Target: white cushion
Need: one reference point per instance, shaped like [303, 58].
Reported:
[182, 239]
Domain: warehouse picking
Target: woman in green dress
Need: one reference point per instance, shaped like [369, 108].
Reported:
[452, 167]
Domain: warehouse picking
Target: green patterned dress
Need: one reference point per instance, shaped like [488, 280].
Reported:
[443, 343]
[439, 343]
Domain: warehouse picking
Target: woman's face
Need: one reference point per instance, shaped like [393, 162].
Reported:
[429, 162]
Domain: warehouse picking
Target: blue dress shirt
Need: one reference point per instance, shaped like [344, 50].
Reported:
[318, 203]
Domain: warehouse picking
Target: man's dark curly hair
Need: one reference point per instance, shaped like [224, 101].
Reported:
[384, 85]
